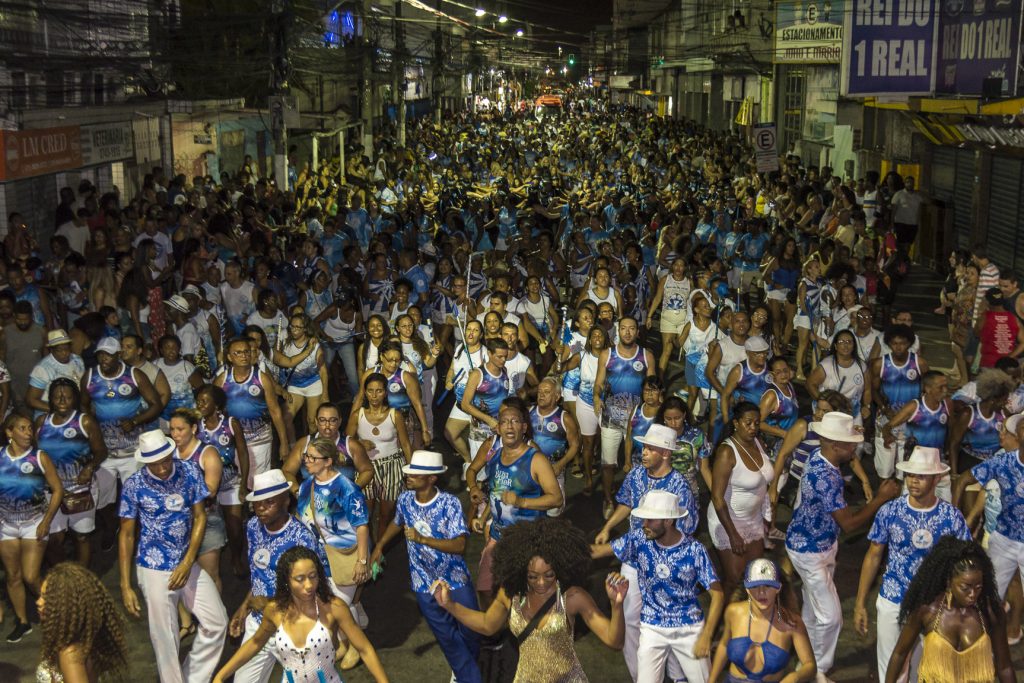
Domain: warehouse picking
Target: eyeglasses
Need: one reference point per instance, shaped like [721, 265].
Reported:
[513, 421]
[328, 420]
[845, 342]
[391, 359]
[309, 456]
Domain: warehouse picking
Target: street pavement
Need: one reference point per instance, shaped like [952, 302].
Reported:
[405, 644]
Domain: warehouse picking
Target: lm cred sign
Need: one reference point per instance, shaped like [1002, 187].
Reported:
[28, 153]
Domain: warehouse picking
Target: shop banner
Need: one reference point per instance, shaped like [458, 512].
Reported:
[107, 142]
[889, 47]
[29, 153]
[979, 39]
[809, 32]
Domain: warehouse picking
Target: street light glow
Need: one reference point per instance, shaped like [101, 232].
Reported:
[480, 12]
[519, 33]
[502, 19]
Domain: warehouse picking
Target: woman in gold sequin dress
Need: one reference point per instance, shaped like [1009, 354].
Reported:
[534, 562]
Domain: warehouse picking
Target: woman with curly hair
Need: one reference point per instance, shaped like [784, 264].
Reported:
[304, 611]
[953, 605]
[540, 566]
[83, 631]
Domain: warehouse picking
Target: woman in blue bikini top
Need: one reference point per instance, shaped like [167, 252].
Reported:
[742, 659]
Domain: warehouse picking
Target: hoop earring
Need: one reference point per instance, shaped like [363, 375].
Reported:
[949, 599]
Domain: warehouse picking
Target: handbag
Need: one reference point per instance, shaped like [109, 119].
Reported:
[74, 503]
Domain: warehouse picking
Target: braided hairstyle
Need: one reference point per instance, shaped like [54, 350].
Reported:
[952, 556]
[80, 612]
[556, 541]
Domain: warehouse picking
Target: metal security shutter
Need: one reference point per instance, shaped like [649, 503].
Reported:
[1004, 202]
[963, 197]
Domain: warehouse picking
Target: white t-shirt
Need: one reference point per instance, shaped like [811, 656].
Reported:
[77, 236]
[163, 247]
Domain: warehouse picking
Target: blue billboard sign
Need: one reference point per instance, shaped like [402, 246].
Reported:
[889, 47]
[979, 39]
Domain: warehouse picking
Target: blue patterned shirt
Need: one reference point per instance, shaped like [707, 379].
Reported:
[909, 534]
[638, 482]
[1007, 471]
[266, 547]
[440, 518]
[670, 578]
[336, 506]
[163, 511]
[812, 529]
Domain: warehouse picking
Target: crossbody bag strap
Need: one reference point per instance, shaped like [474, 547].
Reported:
[535, 621]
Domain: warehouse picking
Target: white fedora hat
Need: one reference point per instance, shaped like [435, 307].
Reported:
[659, 436]
[425, 463]
[1012, 423]
[837, 426]
[659, 505]
[57, 337]
[153, 446]
[923, 460]
[267, 485]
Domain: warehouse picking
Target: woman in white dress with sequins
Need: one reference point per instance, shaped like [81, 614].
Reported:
[303, 611]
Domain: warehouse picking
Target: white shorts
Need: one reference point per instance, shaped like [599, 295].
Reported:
[611, 439]
[312, 391]
[750, 280]
[587, 418]
[110, 470]
[80, 522]
[13, 531]
[672, 321]
[259, 459]
[778, 294]
[802, 322]
[230, 496]
[459, 414]
[732, 278]
[750, 529]
[569, 395]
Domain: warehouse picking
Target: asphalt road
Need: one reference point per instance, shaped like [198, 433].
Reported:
[404, 642]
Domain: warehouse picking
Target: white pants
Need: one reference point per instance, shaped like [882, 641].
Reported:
[822, 612]
[201, 598]
[259, 668]
[656, 644]
[885, 642]
[631, 612]
[1007, 557]
[259, 459]
[611, 439]
[110, 470]
[886, 457]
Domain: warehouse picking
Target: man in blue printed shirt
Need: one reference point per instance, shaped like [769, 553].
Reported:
[435, 532]
[271, 531]
[656, 474]
[1006, 542]
[908, 527]
[165, 502]
[813, 533]
[671, 569]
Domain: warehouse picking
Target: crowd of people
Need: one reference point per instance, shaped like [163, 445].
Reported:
[230, 381]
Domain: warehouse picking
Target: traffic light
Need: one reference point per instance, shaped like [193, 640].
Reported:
[572, 60]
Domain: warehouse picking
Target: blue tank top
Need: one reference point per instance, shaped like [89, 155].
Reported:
[812, 298]
[221, 437]
[306, 373]
[638, 424]
[491, 391]
[549, 432]
[624, 378]
[247, 403]
[775, 658]
[803, 451]
[68, 447]
[982, 437]
[398, 394]
[751, 385]
[571, 378]
[900, 383]
[22, 486]
[929, 427]
[114, 400]
[516, 478]
[785, 412]
[31, 294]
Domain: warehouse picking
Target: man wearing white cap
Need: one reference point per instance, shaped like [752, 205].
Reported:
[813, 533]
[656, 474]
[435, 533]
[1006, 542]
[165, 504]
[179, 314]
[908, 527]
[671, 568]
[59, 362]
[270, 532]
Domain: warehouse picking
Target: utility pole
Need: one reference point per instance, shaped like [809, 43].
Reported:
[280, 69]
[438, 69]
[366, 92]
[398, 66]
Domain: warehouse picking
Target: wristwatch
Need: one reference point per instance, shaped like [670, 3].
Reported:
[361, 561]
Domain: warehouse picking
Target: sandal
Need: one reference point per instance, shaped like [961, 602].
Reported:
[186, 631]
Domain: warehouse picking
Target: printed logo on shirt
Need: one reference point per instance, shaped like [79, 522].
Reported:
[223, 439]
[551, 427]
[422, 528]
[922, 539]
[261, 558]
[662, 570]
[638, 366]
[174, 502]
[943, 419]
[124, 390]
[26, 468]
[394, 387]
[911, 374]
[70, 432]
[857, 379]
[254, 390]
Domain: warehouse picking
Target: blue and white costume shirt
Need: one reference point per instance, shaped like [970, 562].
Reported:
[337, 507]
[1008, 471]
[909, 534]
[638, 482]
[812, 529]
[441, 518]
[162, 509]
[266, 548]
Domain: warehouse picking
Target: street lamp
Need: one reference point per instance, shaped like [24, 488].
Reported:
[502, 19]
[519, 33]
[480, 12]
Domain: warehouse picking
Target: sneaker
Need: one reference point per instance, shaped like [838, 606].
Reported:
[21, 629]
[1013, 640]
[776, 535]
[609, 507]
